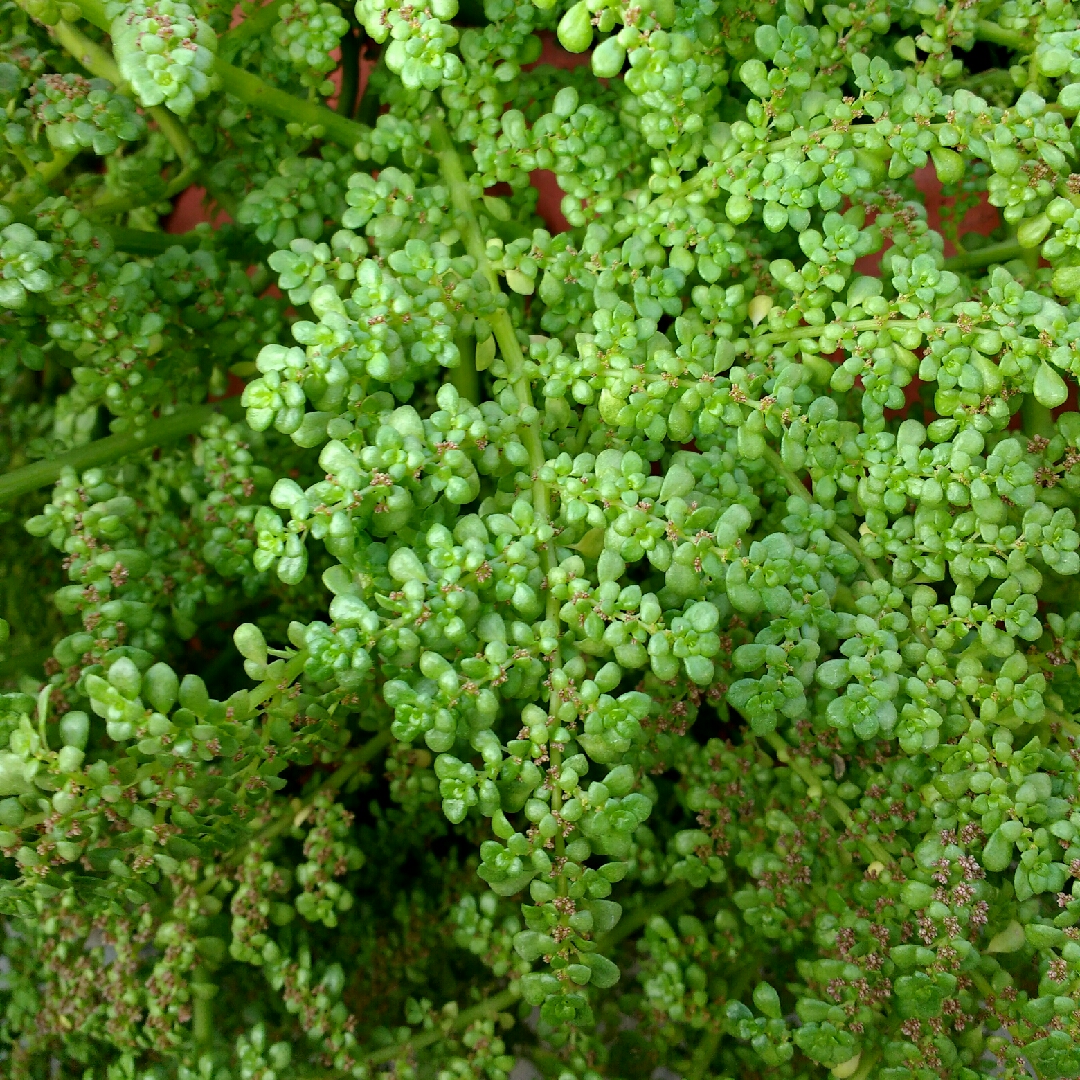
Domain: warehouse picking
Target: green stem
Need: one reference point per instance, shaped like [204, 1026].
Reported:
[502, 327]
[636, 919]
[335, 782]
[255, 25]
[202, 1026]
[50, 170]
[94, 13]
[464, 377]
[33, 174]
[797, 333]
[178, 140]
[703, 1055]
[501, 324]
[270, 686]
[253, 91]
[866, 1065]
[1002, 252]
[855, 548]
[998, 35]
[121, 204]
[463, 1019]
[507, 997]
[144, 242]
[797, 487]
[801, 768]
[103, 451]
[93, 57]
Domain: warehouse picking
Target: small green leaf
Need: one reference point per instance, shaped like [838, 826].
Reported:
[905, 49]
[575, 30]
[605, 974]
[497, 207]
[1066, 280]
[606, 913]
[485, 352]
[738, 209]
[916, 894]
[250, 642]
[997, 853]
[1069, 98]
[591, 544]
[948, 164]
[1032, 231]
[1050, 389]
[608, 58]
[767, 1000]
[531, 945]
[519, 282]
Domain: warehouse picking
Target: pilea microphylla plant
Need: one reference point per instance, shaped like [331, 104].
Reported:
[435, 639]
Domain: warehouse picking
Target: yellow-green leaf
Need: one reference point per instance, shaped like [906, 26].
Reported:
[519, 282]
[485, 352]
[1050, 389]
[1008, 940]
[591, 544]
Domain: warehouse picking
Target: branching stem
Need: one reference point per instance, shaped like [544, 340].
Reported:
[801, 768]
[260, 95]
[112, 448]
[502, 326]
[354, 762]
[797, 487]
[99, 62]
[703, 1055]
[464, 377]
[256, 25]
[660, 903]
[245, 86]
[999, 35]
[335, 782]
[1002, 252]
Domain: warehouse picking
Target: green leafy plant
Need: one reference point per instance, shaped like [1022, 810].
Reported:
[643, 637]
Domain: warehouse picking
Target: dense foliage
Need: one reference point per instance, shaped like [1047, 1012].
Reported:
[450, 639]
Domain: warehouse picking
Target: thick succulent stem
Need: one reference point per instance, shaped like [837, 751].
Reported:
[257, 25]
[260, 95]
[498, 1002]
[105, 451]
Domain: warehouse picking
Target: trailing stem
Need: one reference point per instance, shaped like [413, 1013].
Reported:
[114, 447]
